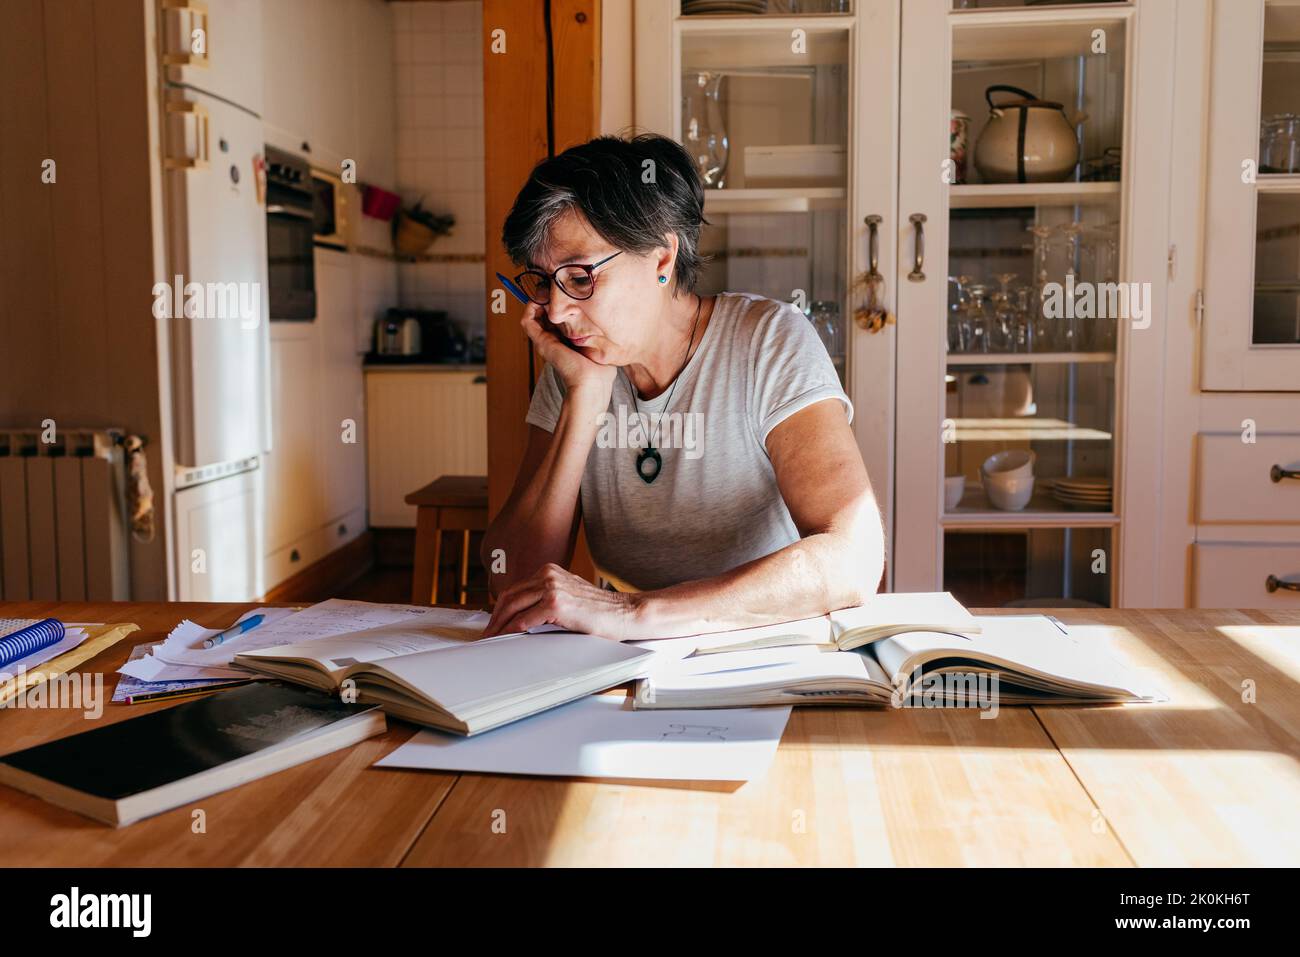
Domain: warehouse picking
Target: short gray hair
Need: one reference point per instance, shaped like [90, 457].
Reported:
[633, 191]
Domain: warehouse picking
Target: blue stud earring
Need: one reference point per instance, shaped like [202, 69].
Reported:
[663, 279]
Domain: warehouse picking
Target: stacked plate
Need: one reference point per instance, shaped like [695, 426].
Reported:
[1089, 493]
[711, 7]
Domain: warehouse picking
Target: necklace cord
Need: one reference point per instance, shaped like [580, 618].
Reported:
[650, 443]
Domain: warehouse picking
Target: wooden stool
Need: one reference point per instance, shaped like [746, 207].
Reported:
[450, 503]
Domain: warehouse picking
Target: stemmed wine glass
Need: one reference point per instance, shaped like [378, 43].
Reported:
[979, 320]
[1004, 314]
[959, 338]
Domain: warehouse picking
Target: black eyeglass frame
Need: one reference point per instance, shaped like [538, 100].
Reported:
[554, 278]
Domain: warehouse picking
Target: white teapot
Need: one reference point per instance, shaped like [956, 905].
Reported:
[1027, 140]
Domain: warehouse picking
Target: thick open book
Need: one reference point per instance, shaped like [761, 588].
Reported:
[433, 673]
[1011, 660]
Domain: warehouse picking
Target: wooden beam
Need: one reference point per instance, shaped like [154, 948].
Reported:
[514, 140]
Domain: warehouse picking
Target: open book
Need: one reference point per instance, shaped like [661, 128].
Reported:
[430, 671]
[883, 616]
[1011, 660]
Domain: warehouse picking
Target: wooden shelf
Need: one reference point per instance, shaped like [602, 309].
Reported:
[1027, 429]
[1007, 195]
[730, 42]
[1036, 33]
[1278, 183]
[1043, 511]
[1025, 358]
[799, 199]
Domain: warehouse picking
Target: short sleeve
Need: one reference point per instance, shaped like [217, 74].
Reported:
[548, 397]
[789, 370]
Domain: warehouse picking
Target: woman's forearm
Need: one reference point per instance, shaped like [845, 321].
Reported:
[817, 574]
[536, 524]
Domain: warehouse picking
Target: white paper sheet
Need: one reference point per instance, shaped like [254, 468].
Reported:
[601, 736]
[151, 668]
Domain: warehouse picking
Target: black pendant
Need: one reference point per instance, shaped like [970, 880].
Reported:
[648, 464]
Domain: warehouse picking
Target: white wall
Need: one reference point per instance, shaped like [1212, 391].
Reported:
[439, 63]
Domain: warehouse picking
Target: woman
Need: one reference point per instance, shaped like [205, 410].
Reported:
[704, 440]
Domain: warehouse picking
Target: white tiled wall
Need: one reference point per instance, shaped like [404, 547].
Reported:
[438, 55]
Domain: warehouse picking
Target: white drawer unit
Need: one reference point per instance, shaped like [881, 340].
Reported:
[1246, 575]
[1248, 483]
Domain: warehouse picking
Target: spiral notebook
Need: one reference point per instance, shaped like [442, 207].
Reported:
[20, 637]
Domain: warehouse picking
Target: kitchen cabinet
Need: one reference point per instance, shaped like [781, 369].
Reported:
[295, 495]
[375, 94]
[1251, 312]
[340, 413]
[315, 473]
[422, 422]
[329, 83]
[966, 371]
[1242, 445]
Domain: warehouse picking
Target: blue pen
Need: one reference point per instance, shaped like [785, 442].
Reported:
[248, 624]
[513, 289]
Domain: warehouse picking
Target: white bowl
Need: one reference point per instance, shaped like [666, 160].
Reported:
[1009, 496]
[1010, 462]
[1008, 482]
[953, 487]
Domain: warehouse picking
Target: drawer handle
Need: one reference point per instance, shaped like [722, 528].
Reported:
[1277, 473]
[294, 556]
[343, 529]
[1273, 583]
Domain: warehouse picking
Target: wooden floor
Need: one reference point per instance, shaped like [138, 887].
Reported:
[383, 583]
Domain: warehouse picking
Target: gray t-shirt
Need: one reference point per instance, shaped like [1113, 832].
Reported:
[715, 503]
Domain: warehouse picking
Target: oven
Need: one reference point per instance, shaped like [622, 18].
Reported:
[290, 237]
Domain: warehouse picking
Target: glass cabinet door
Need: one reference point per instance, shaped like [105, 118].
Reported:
[790, 110]
[1252, 253]
[765, 115]
[1014, 297]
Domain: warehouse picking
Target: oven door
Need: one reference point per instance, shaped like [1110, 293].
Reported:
[291, 271]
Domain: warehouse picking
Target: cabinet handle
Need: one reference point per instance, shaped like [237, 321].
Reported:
[198, 12]
[200, 114]
[276, 209]
[1273, 583]
[873, 246]
[343, 529]
[918, 224]
[1277, 473]
[294, 556]
[479, 380]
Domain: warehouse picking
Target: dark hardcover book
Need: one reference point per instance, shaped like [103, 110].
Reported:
[142, 766]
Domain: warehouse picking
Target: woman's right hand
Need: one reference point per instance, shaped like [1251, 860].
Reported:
[580, 375]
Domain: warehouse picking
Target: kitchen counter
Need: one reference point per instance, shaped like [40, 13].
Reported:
[423, 367]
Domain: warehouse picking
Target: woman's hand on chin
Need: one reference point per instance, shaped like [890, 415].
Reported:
[554, 596]
[579, 374]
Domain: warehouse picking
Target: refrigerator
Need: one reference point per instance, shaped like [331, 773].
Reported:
[214, 317]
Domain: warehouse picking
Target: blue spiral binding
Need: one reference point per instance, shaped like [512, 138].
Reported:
[31, 639]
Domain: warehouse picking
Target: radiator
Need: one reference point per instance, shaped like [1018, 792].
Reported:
[63, 530]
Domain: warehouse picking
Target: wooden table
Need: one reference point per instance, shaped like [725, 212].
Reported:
[1210, 778]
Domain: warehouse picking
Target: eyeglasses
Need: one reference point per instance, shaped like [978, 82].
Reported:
[577, 281]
